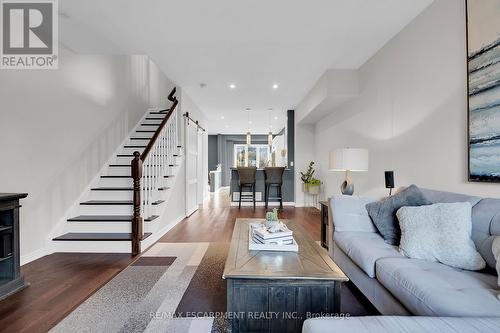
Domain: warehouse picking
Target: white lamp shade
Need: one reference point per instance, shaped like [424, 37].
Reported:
[352, 159]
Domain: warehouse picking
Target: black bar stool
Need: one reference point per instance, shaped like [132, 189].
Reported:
[247, 179]
[274, 178]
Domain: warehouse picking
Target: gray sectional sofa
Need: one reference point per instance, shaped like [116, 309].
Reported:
[400, 286]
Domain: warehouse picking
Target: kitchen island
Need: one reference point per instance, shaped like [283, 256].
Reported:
[287, 189]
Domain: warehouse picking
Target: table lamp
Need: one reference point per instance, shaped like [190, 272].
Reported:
[348, 159]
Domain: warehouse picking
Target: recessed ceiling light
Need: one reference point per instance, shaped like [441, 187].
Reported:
[275, 118]
[250, 122]
[275, 86]
[222, 117]
[232, 86]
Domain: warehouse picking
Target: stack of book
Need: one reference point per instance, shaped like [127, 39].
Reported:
[282, 237]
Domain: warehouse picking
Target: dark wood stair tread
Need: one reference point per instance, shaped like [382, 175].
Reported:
[145, 131]
[108, 218]
[114, 202]
[89, 236]
[157, 113]
[134, 146]
[112, 189]
[122, 188]
[164, 111]
[140, 138]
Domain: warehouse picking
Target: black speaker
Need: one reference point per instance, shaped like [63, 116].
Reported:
[389, 179]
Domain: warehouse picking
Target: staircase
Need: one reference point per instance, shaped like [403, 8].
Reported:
[130, 193]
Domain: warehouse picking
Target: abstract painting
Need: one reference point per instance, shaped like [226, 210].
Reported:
[483, 54]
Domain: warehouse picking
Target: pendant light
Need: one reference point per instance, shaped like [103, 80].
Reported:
[270, 135]
[249, 136]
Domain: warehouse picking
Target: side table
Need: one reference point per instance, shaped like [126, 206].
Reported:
[324, 223]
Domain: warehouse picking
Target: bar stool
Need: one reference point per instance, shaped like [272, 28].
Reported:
[274, 178]
[247, 179]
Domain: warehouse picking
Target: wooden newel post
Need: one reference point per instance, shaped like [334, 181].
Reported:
[137, 231]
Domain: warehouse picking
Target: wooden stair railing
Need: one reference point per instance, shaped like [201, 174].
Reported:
[149, 169]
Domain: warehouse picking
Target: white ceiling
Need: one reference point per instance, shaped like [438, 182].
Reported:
[250, 43]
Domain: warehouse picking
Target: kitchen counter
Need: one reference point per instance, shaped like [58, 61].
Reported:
[287, 187]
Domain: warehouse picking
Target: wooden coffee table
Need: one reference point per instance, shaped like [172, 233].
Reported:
[277, 291]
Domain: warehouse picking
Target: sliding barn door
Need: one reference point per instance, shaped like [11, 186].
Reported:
[193, 167]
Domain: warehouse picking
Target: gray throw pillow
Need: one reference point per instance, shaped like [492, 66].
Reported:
[440, 232]
[383, 212]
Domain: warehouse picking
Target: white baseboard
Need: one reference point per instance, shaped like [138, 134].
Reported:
[32, 256]
[159, 234]
[306, 206]
[261, 204]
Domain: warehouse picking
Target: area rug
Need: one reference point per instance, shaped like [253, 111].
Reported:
[173, 287]
[146, 295]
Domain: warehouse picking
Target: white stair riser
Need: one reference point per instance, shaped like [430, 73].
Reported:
[126, 160]
[143, 135]
[112, 209]
[105, 209]
[119, 171]
[93, 246]
[127, 183]
[111, 195]
[115, 182]
[138, 142]
[154, 121]
[100, 226]
[130, 151]
[104, 227]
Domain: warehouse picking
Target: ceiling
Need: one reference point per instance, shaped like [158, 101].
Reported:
[251, 44]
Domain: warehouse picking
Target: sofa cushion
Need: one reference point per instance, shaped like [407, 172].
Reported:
[448, 197]
[365, 248]
[485, 226]
[383, 212]
[401, 324]
[496, 253]
[349, 213]
[440, 232]
[432, 289]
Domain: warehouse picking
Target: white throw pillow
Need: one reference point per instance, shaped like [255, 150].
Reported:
[440, 232]
[496, 253]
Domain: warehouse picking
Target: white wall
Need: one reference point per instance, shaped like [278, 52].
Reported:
[59, 127]
[411, 113]
[304, 153]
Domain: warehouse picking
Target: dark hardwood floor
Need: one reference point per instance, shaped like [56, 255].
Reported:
[58, 283]
[216, 224]
[62, 281]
